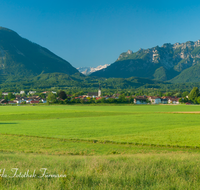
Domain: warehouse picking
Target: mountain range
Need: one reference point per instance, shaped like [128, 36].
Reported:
[24, 64]
[177, 63]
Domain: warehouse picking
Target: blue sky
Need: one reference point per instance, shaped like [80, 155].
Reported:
[90, 33]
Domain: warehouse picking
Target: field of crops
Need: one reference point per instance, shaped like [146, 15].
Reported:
[92, 140]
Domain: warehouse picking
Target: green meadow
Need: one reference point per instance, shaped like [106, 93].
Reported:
[102, 146]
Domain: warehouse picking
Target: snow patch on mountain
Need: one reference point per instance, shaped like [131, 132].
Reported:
[89, 70]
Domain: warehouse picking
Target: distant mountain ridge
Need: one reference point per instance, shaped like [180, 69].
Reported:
[166, 63]
[89, 70]
[25, 65]
[20, 57]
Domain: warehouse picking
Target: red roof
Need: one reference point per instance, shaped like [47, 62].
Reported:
[11, 102]
[153, 97]
[34, 102]
[173, 99]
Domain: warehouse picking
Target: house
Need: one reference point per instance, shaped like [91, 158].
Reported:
[17, 96]
[140, 100]
[31, 92]
[34, 102]
[45, 92]
[92, 94]
[28, 100]
[3, 101]
[164, 101]
[22, 92]
[173, 100]
[5, 93]
[11, 102]
[19, 101]
[44, 100]
[154, 99]
[98, 98]
[34, 97]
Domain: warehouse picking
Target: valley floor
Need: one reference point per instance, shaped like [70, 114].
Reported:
[101, 147]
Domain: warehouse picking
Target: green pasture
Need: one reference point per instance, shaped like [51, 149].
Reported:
[101, 147]
[158, 125]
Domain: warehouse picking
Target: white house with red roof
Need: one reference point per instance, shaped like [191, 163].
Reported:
[154, 99]
[173, 100]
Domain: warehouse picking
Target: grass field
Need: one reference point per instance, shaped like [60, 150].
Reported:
[104, 147]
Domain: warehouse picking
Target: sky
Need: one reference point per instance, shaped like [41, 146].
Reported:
[96, 32]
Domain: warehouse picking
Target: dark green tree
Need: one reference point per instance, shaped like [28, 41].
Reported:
[184, 94]
[122, 98]
[42, 95]
[194, 94]
[51, 97]
[5, 97]
[198, 100]
[82, 101]
[11, 96]
[103, 100]
[131, 99]
[160, 94]
[62, 95]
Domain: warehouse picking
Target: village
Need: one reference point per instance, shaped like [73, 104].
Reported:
[32, 97]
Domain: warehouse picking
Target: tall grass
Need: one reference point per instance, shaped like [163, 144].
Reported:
[157, 171]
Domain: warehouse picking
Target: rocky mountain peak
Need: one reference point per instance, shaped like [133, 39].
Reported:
[161, 63]
[129, 52]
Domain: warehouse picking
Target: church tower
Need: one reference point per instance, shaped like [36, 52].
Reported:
[99, 91]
